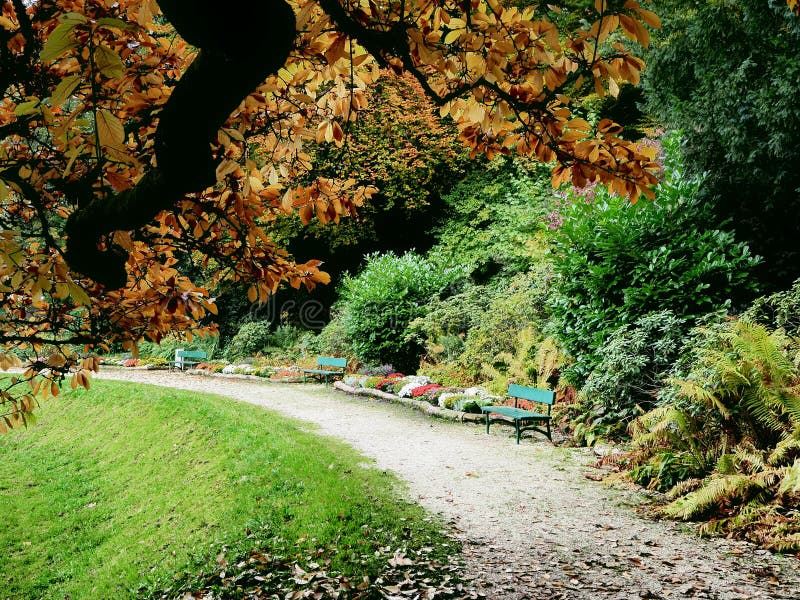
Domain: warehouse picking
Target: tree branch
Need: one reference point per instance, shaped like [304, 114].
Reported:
[240, 48]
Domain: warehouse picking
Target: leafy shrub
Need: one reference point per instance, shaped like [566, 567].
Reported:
[615, 262]
[251, 338]
[779, 310]
[520, 304]
[634, 361]
[733, 445]
[378, 304]
[166, 349]
[332, 340]
[493, 218]
[284, 337]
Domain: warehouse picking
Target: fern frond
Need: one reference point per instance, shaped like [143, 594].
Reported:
[790, 484]
[784, 451]
[750, 513]
[765, 406]
[791, 402]
[695, 392]
[684, 487]
[662, 425]
[748, 460]
[726, 464]
[713, 494]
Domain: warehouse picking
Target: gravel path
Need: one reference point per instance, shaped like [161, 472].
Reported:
[531, 524]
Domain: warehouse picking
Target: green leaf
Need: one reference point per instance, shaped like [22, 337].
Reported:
[111, 22]
[73, 18]
[27, 108]
[64, 90]
[59, 42]
[108, 62]
[109, 129]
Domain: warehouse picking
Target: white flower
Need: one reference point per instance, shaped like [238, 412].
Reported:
[412, 382]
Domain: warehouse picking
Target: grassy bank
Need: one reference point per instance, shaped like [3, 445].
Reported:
[125, 490]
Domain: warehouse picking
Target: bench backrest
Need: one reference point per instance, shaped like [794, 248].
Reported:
[533, 394]
[181, 354]
[331, 361]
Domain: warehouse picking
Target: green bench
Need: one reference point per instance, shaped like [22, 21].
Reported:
[187, 358]
[524, 420]
[336, 367]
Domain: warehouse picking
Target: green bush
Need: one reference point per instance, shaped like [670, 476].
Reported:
[378, 304]
[494, 216]
[634, 362]
[779, 310]
[616, 262]
[332, 340]
[166, 349]
[250, 339]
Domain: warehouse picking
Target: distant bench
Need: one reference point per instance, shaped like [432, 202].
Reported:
[524, 420]
[336, 367]
[187, 358]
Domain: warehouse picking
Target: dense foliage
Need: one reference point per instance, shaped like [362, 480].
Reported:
[491, 218]
[633, 363]
[725, 72]
[377, 305]
[615, 261]
[135, 144]
[778, 310]
[727, 443]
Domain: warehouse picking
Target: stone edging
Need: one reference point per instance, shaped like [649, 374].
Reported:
[420, 405]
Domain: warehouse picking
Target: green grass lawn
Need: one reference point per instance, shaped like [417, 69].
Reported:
[127, 489]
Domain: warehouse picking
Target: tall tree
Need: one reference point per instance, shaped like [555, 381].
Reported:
[726, 74]
[126, 146]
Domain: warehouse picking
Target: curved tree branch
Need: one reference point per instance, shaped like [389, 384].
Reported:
[240, 46]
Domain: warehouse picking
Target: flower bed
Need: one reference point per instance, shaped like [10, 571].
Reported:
[422, 388]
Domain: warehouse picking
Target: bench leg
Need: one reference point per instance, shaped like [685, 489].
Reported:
[549, 437]
[516, 424]
[487, 422]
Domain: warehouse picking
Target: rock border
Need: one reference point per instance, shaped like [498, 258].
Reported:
[420, 405]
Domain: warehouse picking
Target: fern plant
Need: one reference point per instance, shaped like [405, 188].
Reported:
[736, 421]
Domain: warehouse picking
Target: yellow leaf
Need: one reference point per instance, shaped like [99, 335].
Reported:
[225, 167]
[649, 17]
[613, 88]
[451, 37]
[252, 293]
[109, 129]
[64, 90]
[3, 190]
[108, 62]
[79, 294]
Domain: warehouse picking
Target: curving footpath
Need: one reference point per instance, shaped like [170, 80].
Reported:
[532, 525]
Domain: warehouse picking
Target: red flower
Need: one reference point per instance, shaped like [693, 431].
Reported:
[421, 390]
